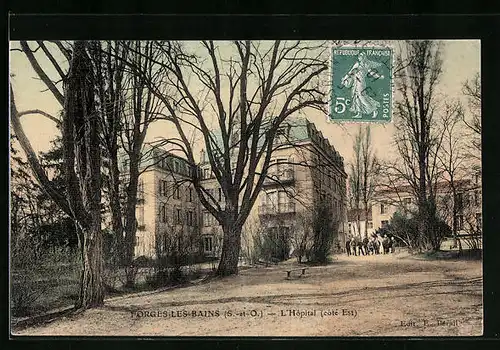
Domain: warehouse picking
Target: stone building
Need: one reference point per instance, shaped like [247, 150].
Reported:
[468, 201]
[306, 169]
[306, 172]
[167, 211]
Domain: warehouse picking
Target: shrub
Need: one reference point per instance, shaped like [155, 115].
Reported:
[406, 231]
[24, 290]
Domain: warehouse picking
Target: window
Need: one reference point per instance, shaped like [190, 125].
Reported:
[178, 215]
[137, 241]
[460, 201]
[220, 194]
[189, 218]
[190, 194]
[163, 188]
[370, 224]
[140, 216]
[140, 190]
[207, 219]
[163, 213]
[384, 223]
[281, 135]
[206, 173]
[282, 201]
[177, 193]
[477, 178]
[460, 222]
[479, 222]
[281, 166]
[383, 209]
[407, 201]
[207, 244]
[176, 166]
[350, 228]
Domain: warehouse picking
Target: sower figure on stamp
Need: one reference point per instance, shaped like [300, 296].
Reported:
[361, 102]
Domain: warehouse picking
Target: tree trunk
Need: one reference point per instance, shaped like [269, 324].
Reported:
[81, 143]
[131, 222]
[116, 211]
[91, 285]
[228, 264]
[366, 220]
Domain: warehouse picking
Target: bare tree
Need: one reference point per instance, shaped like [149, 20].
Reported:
[82, 164]
[370, 170]
[110, 87]
[355, 177]
[302, 235]
[451, 157]
[418, 139]
[141, 108]
[363, 170]
[245, 96]
[472, 89]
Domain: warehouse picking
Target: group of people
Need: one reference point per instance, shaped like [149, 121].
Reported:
[375, 244]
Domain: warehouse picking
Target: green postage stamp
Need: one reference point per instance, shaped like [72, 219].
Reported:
[361, 79]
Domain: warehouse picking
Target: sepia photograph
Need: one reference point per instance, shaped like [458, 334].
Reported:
[324, 188]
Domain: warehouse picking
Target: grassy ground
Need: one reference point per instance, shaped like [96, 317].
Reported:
[43, 287]
[50, 286]
[382, 295]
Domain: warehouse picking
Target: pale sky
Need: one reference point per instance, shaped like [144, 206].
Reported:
[461, 60]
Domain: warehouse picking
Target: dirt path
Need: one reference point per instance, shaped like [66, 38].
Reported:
[355, 296]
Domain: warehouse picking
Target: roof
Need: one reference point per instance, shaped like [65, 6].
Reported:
[442, 186]
[299, 129]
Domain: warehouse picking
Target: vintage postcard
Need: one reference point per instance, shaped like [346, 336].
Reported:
[245, 188]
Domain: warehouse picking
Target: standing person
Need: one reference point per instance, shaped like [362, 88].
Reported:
[348, 246]
[353, 246]
[376, 247]
[360, 247]
[365, 245]
[393, 244]
[380, 240]
[371, 247]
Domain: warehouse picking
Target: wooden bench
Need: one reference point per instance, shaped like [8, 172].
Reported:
[288, 272]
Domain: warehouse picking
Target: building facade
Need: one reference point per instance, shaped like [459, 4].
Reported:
[468, 203]
[167, 210]
[305, 170]
[306, 176]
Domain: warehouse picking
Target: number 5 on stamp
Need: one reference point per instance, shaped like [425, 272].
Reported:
[361, 84]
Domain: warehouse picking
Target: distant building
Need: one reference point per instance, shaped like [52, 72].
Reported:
[469, 204]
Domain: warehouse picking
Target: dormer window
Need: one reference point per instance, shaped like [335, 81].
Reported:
[282, 135]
